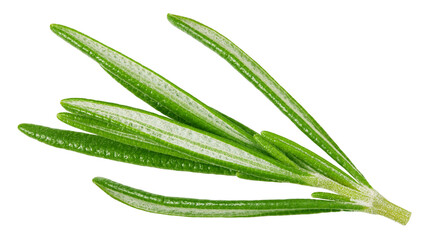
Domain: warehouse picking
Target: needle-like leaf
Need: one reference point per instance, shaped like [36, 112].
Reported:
[105, 148]
[204, 146]
[189, 207]
[330, 196]
[155, 89]
[252, 71]
[310, 158]
[274, 152]
[118, 133]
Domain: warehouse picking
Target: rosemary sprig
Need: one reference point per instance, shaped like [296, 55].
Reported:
[198, 138]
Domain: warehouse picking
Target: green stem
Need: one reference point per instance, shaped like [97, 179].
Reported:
[375, 203]
[383, 207]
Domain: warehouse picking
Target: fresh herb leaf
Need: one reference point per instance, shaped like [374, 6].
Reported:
[154, 89]
[313, 160]
[189, 207]
[105, 148]
[253, 72]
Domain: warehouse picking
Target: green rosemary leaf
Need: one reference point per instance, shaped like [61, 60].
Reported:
[313, 160]
[206, 147]
[253, 72]
[237, 123]
[253, 178]
[148, 99]
[154, 89]
[300, 163]
[274, 152]
[189, 207]
[330, 196]
[105, 148]
[118, 133]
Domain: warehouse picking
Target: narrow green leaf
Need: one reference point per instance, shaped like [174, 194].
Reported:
[189, 207]
[274, 152]
[313, 160]
[300, 163]
[206, 147]
[154, 89]
[119, 134]
[253, 178]
[152, 102]
[237, 123]
[253, 72]
[105, 148]
[330, 196]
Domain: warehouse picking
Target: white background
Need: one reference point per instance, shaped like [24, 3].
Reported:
[359, 67]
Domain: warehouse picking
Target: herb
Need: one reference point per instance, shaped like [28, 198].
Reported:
[197, 138]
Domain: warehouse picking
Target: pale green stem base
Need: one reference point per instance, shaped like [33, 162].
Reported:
[374, 202]
[382, 206]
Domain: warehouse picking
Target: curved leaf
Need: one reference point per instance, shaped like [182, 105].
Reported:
[189, 207]
[105, 148]
[253, 72]
[330, 196]
[154, 89]
[274, 152]
[313, 160]
[119, 134]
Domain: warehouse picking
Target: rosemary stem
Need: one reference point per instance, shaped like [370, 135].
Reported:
[383, 207]
[375, 203]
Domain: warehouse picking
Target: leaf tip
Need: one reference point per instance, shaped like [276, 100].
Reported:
[104, 184]
[25, 128]
[264, 133]
[53, 26]
[98, 181]
[171, 16]
[66, 117]
[56, 27]
[21, 126]
[61, 116]
[256, 136]
[65, 103]
[174, 19]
